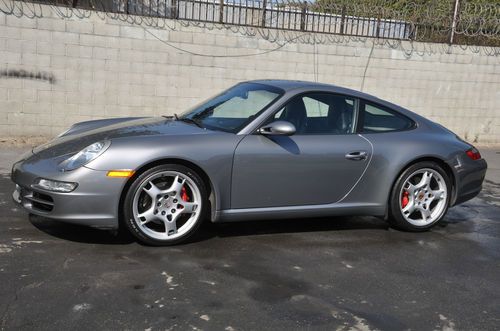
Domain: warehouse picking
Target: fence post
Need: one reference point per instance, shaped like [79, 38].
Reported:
[342, 19]
[454, 21]
[221, 11]
[126, 7]
[264, 9]
[174, 11]
[303, 17]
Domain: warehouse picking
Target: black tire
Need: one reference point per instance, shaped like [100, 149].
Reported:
[128, 214]
[396, 218]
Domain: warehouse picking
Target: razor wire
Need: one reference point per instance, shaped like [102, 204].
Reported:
[477, 22]
[382, 22]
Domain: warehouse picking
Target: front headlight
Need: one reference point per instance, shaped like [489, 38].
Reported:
[84, 156]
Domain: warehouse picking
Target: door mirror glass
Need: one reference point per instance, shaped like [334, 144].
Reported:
[278, 128]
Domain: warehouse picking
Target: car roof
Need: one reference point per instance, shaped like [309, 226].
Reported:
[289, 85]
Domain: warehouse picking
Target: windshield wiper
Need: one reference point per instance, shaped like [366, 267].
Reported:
[184, 119]
[190, 120]
[174, 116]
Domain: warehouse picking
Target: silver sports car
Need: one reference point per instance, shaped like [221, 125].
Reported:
[263, 149]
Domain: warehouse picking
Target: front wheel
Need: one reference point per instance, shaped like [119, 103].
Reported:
[165, 205]
[420, 197]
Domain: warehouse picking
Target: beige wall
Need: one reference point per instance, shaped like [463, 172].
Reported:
[102, 66]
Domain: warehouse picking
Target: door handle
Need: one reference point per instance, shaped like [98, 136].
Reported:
[356, 156]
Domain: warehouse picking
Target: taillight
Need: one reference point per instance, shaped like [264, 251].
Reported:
[473, 154]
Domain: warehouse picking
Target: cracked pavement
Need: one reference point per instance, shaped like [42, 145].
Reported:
[342, 273]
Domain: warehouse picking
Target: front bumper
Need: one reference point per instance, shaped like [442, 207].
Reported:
[94, 202]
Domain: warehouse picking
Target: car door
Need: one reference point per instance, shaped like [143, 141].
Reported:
[319, 164]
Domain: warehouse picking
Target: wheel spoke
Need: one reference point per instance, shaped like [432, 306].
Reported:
[426, 213]
[171, 226]
[425, 180]
[148, 215]
[177, 185]
[153, 190]
[437, 195]
[189, 207]
[410, 208]
[410, 188]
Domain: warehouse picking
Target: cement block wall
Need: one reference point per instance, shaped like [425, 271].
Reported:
[60, 66]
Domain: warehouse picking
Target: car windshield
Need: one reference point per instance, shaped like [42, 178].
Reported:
[233, 109]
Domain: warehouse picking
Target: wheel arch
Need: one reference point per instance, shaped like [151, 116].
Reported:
[446, 167]
[196, 168]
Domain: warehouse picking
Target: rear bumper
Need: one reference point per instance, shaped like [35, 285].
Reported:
[93, 203]
[469, 179]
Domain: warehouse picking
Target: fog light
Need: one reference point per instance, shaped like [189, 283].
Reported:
[54, 185]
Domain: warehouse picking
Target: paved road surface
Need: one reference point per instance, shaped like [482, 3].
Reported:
[316, 274]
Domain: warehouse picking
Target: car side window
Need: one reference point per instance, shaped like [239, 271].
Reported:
[319, 113]
[379, 119]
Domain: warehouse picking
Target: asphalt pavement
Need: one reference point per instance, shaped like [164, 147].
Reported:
[342, 273]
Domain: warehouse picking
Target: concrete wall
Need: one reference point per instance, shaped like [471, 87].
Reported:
[59, 66]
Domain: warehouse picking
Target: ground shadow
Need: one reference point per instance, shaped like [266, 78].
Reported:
[297, 226]
[82, 234]
[79, 233]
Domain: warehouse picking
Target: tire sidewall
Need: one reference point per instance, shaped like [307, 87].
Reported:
[128, 215]
[395, 211]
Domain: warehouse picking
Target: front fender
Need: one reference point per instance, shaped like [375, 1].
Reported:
[212, 153]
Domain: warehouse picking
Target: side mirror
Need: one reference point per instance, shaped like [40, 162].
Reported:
[278, 128]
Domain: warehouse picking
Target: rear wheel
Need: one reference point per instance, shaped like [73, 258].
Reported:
[165, 205]
[420, 197]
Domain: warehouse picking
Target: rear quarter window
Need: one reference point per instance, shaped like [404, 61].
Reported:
[380, 119]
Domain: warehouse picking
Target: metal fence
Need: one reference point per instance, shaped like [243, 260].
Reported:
[453, 21]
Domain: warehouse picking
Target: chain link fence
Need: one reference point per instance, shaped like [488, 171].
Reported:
[444, 21]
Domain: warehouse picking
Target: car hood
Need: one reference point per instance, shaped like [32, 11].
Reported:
[72, 143]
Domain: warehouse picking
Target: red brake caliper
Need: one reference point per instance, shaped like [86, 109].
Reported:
[404, 199]
[184, 195]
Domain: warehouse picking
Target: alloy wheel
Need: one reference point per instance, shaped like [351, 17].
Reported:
[423, 197]
[166, 205]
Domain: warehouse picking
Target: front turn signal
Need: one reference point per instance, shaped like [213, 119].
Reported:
[120, 173]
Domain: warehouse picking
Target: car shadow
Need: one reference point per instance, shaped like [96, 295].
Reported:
[303, 225]
[286, 143]
[207, 231]
[80, 233]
